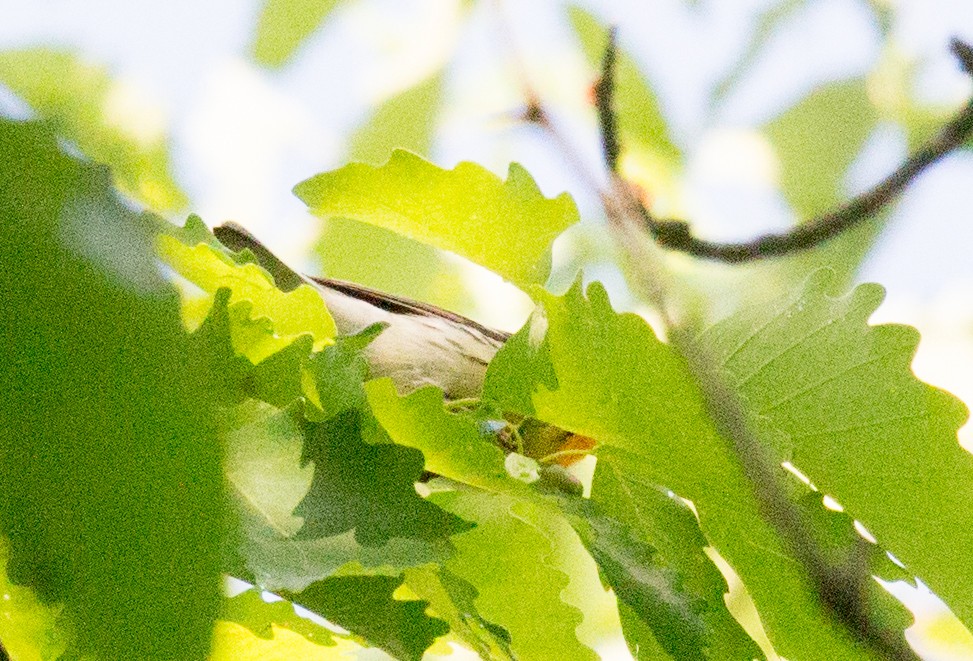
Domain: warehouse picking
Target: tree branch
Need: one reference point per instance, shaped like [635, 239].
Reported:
[677, 235]
[842, 588]
[604, 99]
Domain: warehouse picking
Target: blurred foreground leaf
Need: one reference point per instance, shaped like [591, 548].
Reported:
[107, 119]
[113, 494]
[29, 629]
[284, 25]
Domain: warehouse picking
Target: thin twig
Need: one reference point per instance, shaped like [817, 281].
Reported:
[534, 113]
[677, 235]
[841, 588]
[604, 100]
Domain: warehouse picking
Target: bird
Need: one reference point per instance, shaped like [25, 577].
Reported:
[420, 345]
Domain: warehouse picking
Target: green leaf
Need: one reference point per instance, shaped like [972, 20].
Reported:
[284, 25]
[522, 364]
[263, 463]
[328, 382]
[651, 591]
[210, 348]
[618, 384]
[256, 302]
[859, 424]
[250, 610]
[366, 488]
[104, 117]
[453, 446]
[817, 140]
[365, 605]
[338, 373]
[377, 257]
[575, 548]
[506, 226]
[640, 118]
[641, 642]
[234, 642]
[269, 479]
[279, 562]
[678, 613]
[280, 379]
[686, 590]
[508, 560]
[452, 599]
[857, 560]
[29, 629]
[113, 495]
[277, 492]
[389, 262]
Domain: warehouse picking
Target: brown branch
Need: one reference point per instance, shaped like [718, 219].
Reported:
[677, 235]
[604, 100]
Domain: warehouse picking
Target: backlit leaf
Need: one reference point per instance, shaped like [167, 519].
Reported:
[617, 383]
[859, 424]
[452, 446]
[507, 559]
[113, 496]
[506, 226]
[684, 599]
[452, 599]
[368, 488]
[254, 297]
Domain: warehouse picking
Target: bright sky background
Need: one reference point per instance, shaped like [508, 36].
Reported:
[243, 136]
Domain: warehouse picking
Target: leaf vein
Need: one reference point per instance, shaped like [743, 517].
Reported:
[793, 395]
